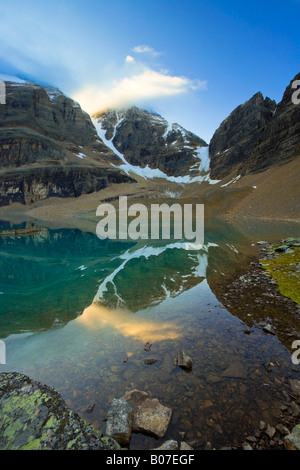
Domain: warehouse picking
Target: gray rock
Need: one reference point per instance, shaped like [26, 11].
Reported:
[247, 446]
[149, 362]
[270, 431]
[183, 360]
[269, 329]
[168, 445]
[292, 440]
[35, 417]
[119, 421]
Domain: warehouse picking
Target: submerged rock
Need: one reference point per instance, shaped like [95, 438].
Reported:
[235, 369]
[183, 360]
[35, 417]
[149, 362]
[148, 346]
[269, 329]
[169, 445]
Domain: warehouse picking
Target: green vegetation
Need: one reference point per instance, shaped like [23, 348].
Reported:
[284, 266]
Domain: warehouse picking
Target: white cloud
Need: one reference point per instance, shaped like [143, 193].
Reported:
[129, 59]
[144, 49]
[143, 86]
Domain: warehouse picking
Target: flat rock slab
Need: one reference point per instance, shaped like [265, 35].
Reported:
[34, 416]
[236, 370]
[119, 421]
[149, 362]
[152, 418]
[135, 398]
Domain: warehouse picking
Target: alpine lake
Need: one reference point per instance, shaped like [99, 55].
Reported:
[76, 312]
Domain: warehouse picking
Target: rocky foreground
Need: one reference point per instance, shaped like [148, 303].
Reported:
[34, 416]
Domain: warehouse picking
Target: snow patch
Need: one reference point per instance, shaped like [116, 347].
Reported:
[234, 180]
[149, 173]
[82, 268]
[80, 155]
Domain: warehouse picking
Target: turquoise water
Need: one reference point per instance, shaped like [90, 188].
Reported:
[75, 313]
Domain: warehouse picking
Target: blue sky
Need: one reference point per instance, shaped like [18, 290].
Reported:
[191, 61]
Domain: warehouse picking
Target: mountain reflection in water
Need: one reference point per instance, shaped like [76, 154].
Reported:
[86, 305]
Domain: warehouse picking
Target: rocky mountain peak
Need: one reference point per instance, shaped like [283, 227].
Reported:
[145, 138]
[257, 135]
[229, 146]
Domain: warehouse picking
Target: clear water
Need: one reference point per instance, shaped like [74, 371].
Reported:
[75, 313]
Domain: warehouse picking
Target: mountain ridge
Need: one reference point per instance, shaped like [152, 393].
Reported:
[256, 135]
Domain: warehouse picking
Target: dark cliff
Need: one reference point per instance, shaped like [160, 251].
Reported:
[256, 136]
[49, 147]
[233, 140]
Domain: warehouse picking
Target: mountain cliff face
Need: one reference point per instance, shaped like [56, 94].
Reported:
[256, 136]
[236, 135]
[49, 147]
[280, 140]
[147, 139]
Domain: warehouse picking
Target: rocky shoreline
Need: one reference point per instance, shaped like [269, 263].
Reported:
[267, 291]
[35, 417]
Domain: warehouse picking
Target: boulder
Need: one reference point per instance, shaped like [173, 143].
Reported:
[292, 440]
[269, 329]
[152, 418]
[119, 422]
[35, 417]
[183, 360]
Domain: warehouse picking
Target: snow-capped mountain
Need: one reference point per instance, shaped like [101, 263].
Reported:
[149, 146]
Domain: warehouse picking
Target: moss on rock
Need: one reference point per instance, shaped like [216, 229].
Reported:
[283, 265]
[34, 416]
